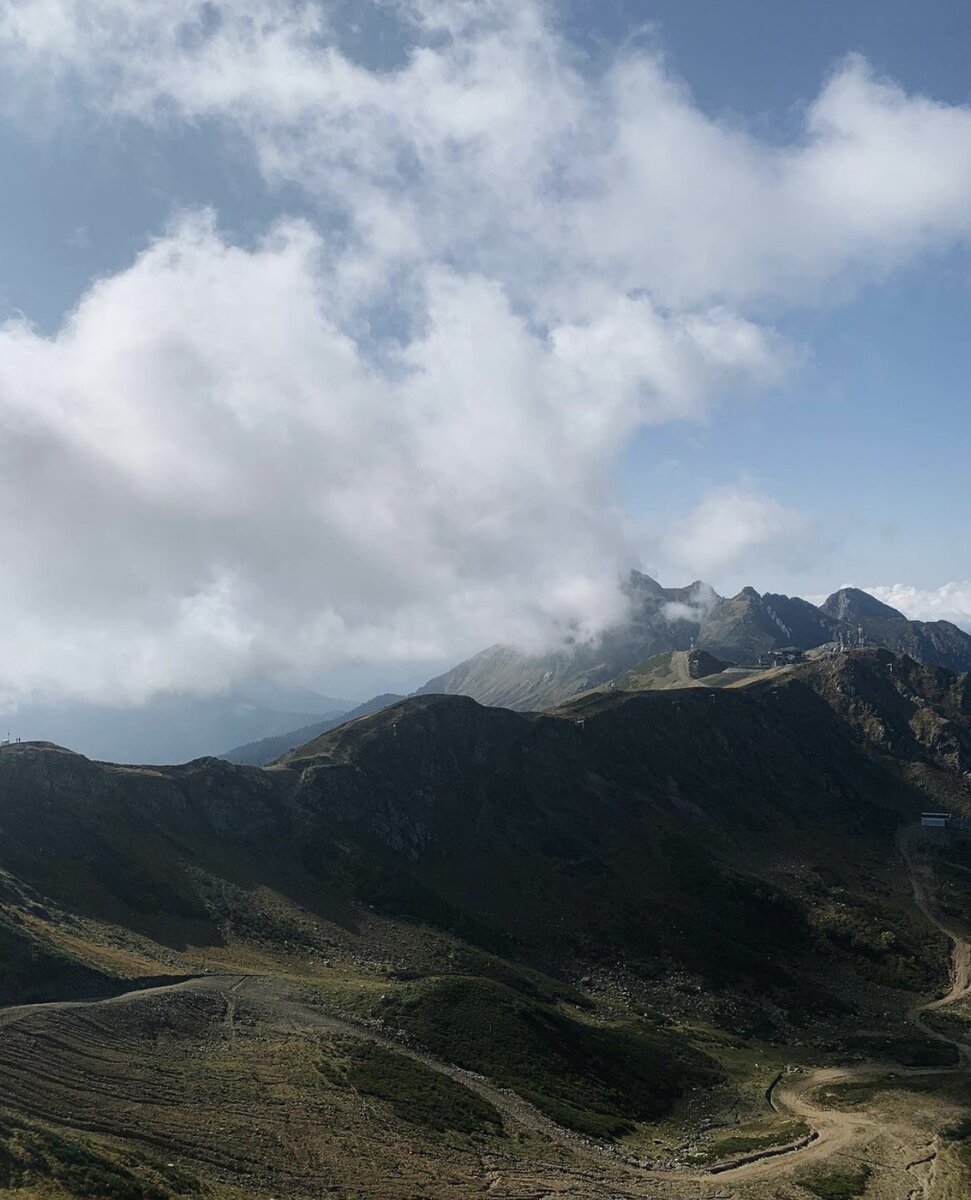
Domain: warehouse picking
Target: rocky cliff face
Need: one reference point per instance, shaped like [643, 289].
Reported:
[749, 625]
[917, 713]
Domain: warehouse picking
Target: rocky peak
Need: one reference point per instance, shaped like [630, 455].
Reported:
[853, 604]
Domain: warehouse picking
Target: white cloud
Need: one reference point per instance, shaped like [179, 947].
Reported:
[221, 464]
[491, 147]
[949, 602]
[732, 528]
[703, 597]
[203, 475]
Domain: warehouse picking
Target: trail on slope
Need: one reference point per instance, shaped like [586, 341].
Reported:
[832, 1131]
[294, 1016]
[960, 948]
[835, 1129]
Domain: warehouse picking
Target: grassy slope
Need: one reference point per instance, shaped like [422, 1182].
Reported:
[668, 834]
[597, 1079]
[31, 971]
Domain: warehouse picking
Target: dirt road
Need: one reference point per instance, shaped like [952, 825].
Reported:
[832, 1131]
[920, 878]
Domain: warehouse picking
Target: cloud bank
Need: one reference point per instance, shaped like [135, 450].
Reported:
[203, 474]
[949, 602]
[388, 430]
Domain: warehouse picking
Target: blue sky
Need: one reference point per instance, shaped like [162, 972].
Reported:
[879, 414]
[401, 329]
[762, 60]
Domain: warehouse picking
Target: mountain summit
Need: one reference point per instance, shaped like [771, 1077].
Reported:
[853, 604]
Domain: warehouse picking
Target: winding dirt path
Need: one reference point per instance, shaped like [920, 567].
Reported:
[920, 879]
[835, 1130]
[832, 1131]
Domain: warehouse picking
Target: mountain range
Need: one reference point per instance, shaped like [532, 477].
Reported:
[738, 629]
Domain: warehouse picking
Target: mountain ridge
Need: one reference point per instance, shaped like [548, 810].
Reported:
[739, 629]
[268, 749]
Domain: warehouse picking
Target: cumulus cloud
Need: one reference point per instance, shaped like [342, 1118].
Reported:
[203, 475]
[729, 527]
[490, 144]
[949, 602]
[224, 461]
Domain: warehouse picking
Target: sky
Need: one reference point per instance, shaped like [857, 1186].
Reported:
[341, 340]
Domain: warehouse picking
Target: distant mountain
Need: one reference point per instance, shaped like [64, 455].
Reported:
[269, 749]
[936, 642]
[660, 619]
[749, 624]
[173, 727]
[737, 629]
[852, 604]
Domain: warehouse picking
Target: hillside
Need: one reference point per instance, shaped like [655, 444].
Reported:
[737, 629]
[269, 749]
[679, 668]
[444, 936]
[481, 935]
[453, 812]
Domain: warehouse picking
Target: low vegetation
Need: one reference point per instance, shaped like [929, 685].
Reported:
[598, 1080]
[750, 1141]
[836, 1185]
[857, 1093]
[466, 960]
[32, 972]
[32, 1157]
[908, 1051]
[880, 946]
[417, 1094]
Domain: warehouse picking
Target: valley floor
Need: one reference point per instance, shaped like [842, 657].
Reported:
[251, 1085]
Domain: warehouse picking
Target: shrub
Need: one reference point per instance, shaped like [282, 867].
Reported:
[419, 1094]
[836, 1185]
[596, 1079]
